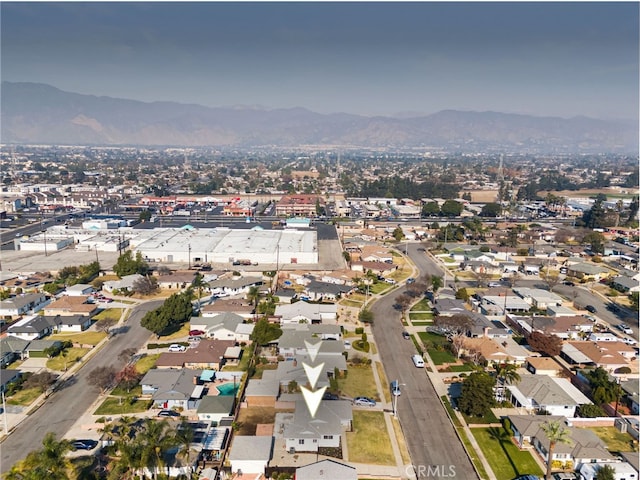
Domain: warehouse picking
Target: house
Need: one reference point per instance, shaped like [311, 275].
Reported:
[208, 354]
[237, 306]
[7, 377]
[250, 455]
[588, 271]
[608, 355]
[326, 469]
[379, 268]
[623, 470]
[631, 389]
[234, 285]
[124, 284]
[292, 343]
[538, 393]
[79, 290]
[306, 433]
[37, 348]
[303, 312]
[625, 284]
[262, 392]
[226, 326]
[323, 291]
[176, 280]
[585, 446]
[11, 349]
[33, 327]
[70, 323]
[543, 366]
[71, 305]
[215, 408]
[538, 298]
[19, 305]
[171, 388]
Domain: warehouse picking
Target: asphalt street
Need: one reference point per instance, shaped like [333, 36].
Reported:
[64, 407]
[436, 451]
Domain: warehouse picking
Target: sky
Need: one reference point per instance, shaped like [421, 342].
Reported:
[366, 58]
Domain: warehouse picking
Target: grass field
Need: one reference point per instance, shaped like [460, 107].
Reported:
[402, 444]
[359, 382]
[369, 441]
[60, 362]
[84, 338]
[383, 380]
[505, 459]
[421, 316]
[110, 313]
[24, 397]
[183, 332]
[146, 363]
[615, 440]
[421, 306]
[248, 418]
[441, 357]
[122, 405]
[432, 341]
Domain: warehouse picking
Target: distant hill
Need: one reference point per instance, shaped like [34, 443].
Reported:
[39, 113]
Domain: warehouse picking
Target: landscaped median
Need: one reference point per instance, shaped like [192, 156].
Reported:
[369, 441]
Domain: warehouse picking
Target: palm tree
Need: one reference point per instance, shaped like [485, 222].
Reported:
[253, 295]
[184, 438]
[556, 433]
[506, 374]
[199, 284]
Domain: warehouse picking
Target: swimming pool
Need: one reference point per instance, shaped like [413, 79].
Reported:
[228, 389]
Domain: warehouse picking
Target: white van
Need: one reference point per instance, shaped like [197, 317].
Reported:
[418, 361]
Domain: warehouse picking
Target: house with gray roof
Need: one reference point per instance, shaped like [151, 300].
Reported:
[12, 348]
[538, 393]
[306, 433]
[234, 285]
[7, 377]
[171, 388]
[19, 305]
[33, 327]
[326, 469]
[226, 326]
[303, 312]
[585, 446]
[215, 408]
[125, 283]
[537, 297]
[292, 343]
[250, 455]
[263, 392]
[626, 284]
[325, 291]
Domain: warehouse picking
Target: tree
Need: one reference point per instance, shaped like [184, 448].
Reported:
[199, 284]
[105, 324]
[145, 285]
[42, 381]
[128, 265]
[127, 354]
[398, 234]
[253, 295]
[430, 209]
[50, 462]
[491, 210]
[102, 377]
[455, 324]
[451, 208]
[436, 283]
[589, 410]
[512, 238]
[549, 345]
[550, 277]
[634, 299]
[556, 433]
[365, 316]
[403, 301]
[265, 332]
[144, 216]
[605, 472]
[506, 374]
[477, 398]
[596, 241]
[128, 377]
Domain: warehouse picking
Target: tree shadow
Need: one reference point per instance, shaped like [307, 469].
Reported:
[500, 435]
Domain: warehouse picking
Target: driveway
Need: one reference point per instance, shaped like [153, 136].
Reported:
[34, 365]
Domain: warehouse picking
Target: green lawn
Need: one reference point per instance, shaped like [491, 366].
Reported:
[435, 348]
[121, 405]
[359, 382]
[488, 418]
[421, 306]
[110, 313]
[146, 363]
[440, 357]
[369, 441]
[84, 338]
[615, 440]
[505, 459]
[60, 362]
[421, 316]
[24, 397]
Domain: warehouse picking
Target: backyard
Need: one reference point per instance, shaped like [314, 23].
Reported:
[369, 441]
[504, 457]
[248, 418]
[615, 440]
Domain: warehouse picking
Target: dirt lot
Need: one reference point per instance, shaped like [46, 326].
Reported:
[249, 418]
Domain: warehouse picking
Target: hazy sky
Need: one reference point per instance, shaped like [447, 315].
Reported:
[541, 58]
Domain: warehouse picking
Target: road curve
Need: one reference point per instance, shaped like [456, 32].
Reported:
[62, 409]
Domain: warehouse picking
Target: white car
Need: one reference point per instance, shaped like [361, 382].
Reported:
[177, 348]
[347, 344]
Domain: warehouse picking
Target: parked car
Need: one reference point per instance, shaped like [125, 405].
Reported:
[411, 280]
[406, 335]
[395, 388]
[177, 348]
[330, 396]
[196, 333]
[418, 361]
[364, 402]
[84, 444]
[347, 344]
[591, 308]
[625, 328]
[168, 413]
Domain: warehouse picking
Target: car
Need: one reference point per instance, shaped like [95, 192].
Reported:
[564, 476]
[625, 328]
[590, 308]
[347, 344]
[84, 444]
[390, 281]
[418, 361]
[330, 396]
[177, 348]
[196, 333]
[168, 413]
[568, 283]
[196, 338]
[364, 402]
[591, 318]
[406, 335]
[527, 477]
[395, 388]
[411, 280]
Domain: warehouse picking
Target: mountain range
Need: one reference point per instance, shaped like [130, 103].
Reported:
[35, 113]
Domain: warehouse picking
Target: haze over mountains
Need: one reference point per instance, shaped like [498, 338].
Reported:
[33, 113]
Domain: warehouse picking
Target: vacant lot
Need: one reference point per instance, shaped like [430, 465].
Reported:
[506, 460]
[359, 382]
[369, 441]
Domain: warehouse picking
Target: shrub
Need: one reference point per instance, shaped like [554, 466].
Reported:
[359, 330]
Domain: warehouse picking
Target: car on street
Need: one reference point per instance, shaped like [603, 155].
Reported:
[84, 444]
[395, 388]
[177, 348]
[411, 280]
[347, 344]
[364, 402]
[625, 328]
[590, 308]
[406, 335]
[168, 413]
[568, 283]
